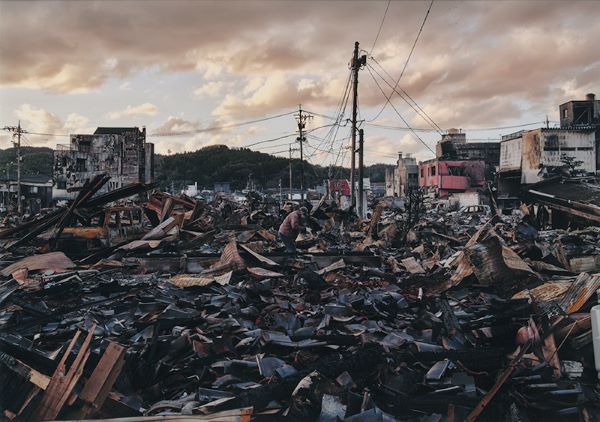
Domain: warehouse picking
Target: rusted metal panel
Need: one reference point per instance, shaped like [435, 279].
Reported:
[85, 232]
[188, 280]
[582, 289]
[53, 260]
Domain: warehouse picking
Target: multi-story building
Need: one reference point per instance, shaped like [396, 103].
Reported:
[454, 146]
[404, 176]
[583, 114]
[122, 153]
[446, 177]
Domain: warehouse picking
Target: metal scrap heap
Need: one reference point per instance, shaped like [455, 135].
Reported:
[444, 317]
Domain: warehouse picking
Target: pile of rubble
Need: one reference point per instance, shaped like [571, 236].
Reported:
[198, 311]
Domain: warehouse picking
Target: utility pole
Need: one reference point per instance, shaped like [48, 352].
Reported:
[16, 130]
[280, 195]
[290, 172]
[361, 148]
[301, 119]
[356, 63]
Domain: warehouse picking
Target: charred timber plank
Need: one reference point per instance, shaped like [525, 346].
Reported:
[101, 381]
[63, 382]
[35, 377]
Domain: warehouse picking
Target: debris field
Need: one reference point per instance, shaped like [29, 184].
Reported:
[115, 307]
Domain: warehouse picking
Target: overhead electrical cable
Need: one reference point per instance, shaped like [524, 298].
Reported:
[381, 25]
[398, 113]
[420, 112]
[412, 103]
[406, 62]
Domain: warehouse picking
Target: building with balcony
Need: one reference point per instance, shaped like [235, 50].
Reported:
[446, 177]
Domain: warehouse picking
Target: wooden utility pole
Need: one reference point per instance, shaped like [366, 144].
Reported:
[361, 204]
[356, 63]
[290, 172]
[301, 118]
[19, 201]
[17, 130]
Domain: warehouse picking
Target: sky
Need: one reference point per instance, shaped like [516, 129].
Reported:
[191, 71]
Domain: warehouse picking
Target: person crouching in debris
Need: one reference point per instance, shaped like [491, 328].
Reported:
[292, 225]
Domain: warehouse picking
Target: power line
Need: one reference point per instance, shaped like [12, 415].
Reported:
[268, 140]
[381, 24]
[398, 113]
[213, 128]
[481, 129]
[406, 62]
[426, 117]
[282, 137]
[401, 128]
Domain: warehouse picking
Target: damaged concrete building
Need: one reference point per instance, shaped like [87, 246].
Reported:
[583, 114]
[528, 157]
[404, 176]
[454, 145]
[121, 152]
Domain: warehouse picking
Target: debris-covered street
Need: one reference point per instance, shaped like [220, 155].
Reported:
[299, 211]
[452, 316]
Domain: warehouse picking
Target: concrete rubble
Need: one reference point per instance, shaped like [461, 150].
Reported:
[193, 311]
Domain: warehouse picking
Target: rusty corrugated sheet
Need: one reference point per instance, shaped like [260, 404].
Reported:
[189, 280]
[580, 291]
[53, 260]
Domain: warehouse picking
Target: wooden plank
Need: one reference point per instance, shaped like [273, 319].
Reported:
[101, 381]
[63, 382]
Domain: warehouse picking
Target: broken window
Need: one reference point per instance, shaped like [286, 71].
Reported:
[456, 171]
[80, 165]
[84, 145]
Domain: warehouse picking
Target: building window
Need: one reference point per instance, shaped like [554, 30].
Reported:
[422, 173]
[80, 165]
[61, 184]
[565, 113]
[33, 189]
[433, 170]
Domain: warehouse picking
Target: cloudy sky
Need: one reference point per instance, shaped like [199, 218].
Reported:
[187, 66]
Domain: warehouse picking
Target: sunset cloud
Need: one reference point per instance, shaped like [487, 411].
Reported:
[53, 129]
[476, 63]
[146, 109]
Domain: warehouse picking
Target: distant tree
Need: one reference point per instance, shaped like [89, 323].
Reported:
[571, 163]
